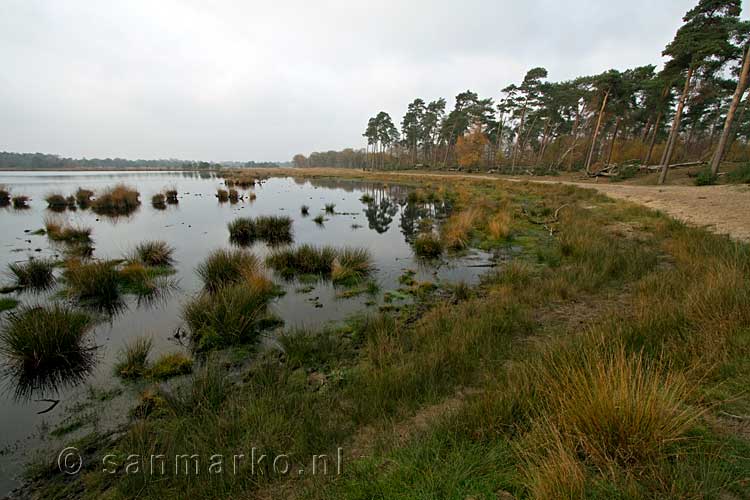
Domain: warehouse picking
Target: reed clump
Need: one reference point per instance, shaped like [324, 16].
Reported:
[58, 230]
[428, 246]
[21, 202]
[118, 200]
[83, 197]
[153, 253]
[34, 274]
[272, 229]
[225, 267]
[159, 201]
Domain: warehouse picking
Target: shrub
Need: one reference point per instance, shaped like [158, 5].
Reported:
[46, 348]
[35, 274]
[740, 175]
[159, 201]
[117, 200]
[705, 178]
[153, 253]
[233, 314]
[83, 197]
[170, 365]
[132, 360]
[224, 267]
[222, 195]
[351, 265]
[428, 245]
[330, 208]
[304, 210]
[20, 202]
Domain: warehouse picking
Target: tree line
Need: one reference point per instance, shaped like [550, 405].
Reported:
[693, 110]
[10, 160]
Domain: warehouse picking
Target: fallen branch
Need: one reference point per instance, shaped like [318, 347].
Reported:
[54, 402]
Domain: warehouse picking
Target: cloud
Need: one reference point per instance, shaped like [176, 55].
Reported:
[227, 80]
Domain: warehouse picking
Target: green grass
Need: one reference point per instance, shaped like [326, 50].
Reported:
[34, 274]
[367, 199]
[740, 175]
[46, 348]
[304, 210]
[351, 266]
[705, 178]
[319, 219]
[170, 365]
[8, 303]
[428, 246]
[132, 360]
[274, 230]
[95, 284]
[330, 208]
[304, 259]
[233, 314]
[225, 267]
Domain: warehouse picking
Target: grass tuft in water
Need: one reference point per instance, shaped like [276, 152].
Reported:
[330, 208]
[351, 266]
[83, 197]
[222, 195]
[223, 267]
[428, 246]
[305, 259]
[170, 365]
[153, 253]
[95, 284]
[46, 348]
[34, 274]
[171, 196]
[132, 362]
[21, 202]
[273, 229]
[58, 202]
[304, 210]
[159, 201]
[4, 196]
[8, 303]
[118, 200]
[58, 230]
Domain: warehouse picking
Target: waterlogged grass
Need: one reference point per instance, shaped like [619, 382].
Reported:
[34, 274]
[60, 230]
[45, 349]
[57, 201]
[153, 253]
[83, 197]
[235, 313]
[133, 362]
[226, 267]
[342, 265]
[595, 364]
[20, 202]
[8, 303]
[330, 208]
[222, 195]
[428, 246]
[272, 229]
[117, 200]
[159, 201]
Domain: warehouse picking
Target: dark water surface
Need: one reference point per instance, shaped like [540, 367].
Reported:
[194, 227]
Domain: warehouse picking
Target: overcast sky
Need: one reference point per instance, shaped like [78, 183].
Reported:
[224, 80]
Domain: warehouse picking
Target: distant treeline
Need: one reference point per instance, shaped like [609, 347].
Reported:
[693, 110]
[10, 160]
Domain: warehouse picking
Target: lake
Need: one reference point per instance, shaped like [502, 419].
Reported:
[194, 227]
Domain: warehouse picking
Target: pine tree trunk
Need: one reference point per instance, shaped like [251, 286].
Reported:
[614, 138]
[651, 145]
[675, 128]
[596, 133]
[741, 85]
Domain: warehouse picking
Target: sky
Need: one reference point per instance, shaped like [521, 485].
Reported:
[249, 80]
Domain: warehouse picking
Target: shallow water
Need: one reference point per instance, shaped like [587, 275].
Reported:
[194, 227]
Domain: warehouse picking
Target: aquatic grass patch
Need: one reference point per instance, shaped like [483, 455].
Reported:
[95, 284]
[171, 196]
[8, 303]
[304, 210]
[351, 265]
[235, 313]
[304, 259]
[83, 197]
[319, 219]
[170, 365]
[4, 196]
[46, 348]
[59, 202]
[155, 253]
[457, 230]
[500, 225]
[59, 230]
[272, 229]
[132, 360]
[222, 195]
[428, 246]
[367, 199]
[330, 208]
[34, 274]
[117, 200]
[234, 196]
[20, 202]
[224, 267]
[159, 201]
